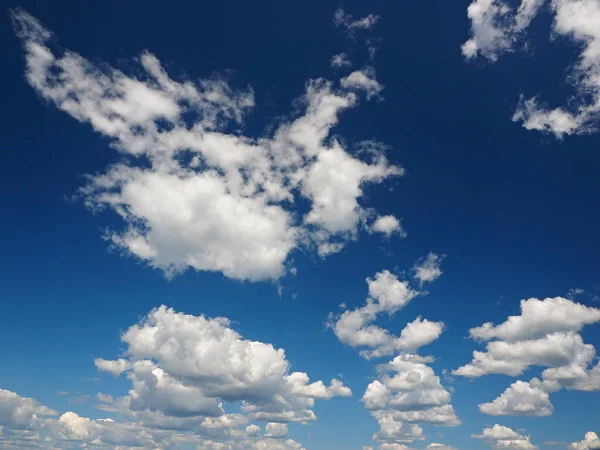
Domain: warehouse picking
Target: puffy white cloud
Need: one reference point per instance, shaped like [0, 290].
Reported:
[388, 295]
[427, 270]
[388, 225]
[171, 364]
[408, 393]
[190, 194]
[437, 446]
[590, 442]
[362, 80]
[115, 368]
[496, 28]
[21, 412]
[520, 399]
[539, 318]
[502, 437]
[340, 60]
[545, 334]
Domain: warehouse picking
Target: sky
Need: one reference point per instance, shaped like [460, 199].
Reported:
[281, 226]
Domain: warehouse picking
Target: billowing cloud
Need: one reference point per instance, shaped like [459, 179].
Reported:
[496, 29]
[387, 295]
[501, 437]
[20, 412]
[171, 365]
[545, 334]
[191, 190]
[362, 80]
[590, 442]
[520, 399]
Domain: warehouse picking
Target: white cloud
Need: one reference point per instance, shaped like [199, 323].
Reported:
[590, 442]
[20, 412]
[496, 28]
[361, 80]
[388, 225]
[191, 195]
[171, 367]
[115, 368]
[388, 295]
[428, 269]
[502, 437]
[345, 20]
[408, 393]
[546, 334]
[340, 60]
[437, 446]
[276, 430]
[520, 399]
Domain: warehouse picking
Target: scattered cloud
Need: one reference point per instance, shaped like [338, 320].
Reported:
[388, 225]
[340, 60]
[190, 189]
[520, 399]
[344, 20]
[590, 442]
[496, 28]
[362, 80]
[501, 437]
[427, 269]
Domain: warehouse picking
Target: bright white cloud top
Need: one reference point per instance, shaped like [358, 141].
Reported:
[496, 29]
[546, 334]
[196, 192]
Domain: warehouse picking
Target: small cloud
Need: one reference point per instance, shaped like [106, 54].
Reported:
[63, 393]
[388, 225]
[428, 269]
[573, 292]
[340, 60]
[345, 20]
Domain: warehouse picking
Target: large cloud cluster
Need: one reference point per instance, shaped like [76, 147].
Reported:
[191, 190]
[546, 334]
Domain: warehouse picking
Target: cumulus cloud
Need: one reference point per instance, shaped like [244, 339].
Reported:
[191, 190]
[362, 80]
[437, 446]
[21, 412]
[427, 270]
[501, 437]
[171, 365]
[496, 29]
[520, 399]
[388, 225]
[387, 295]
[590, 442]
[545, 334]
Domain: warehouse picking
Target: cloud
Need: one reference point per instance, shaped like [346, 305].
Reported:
[388, 295]
[428, 269]
[21, 412]
[590, 442]
[362, 80]
[501, 437]
[170, 363]
[276, 430]
[346, 21]
[115, 368]
[190, 189]
[340, 60]
[520, 399]
[388, 225]
[437, 446]
[546, 334]
[496, 28]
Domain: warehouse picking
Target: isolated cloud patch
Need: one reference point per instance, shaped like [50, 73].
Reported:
[501, 437]
[496, 29]
[191, 190]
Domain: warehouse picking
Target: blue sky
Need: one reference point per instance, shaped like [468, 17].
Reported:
[367, 214]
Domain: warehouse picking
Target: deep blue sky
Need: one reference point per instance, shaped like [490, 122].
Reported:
[516, 212]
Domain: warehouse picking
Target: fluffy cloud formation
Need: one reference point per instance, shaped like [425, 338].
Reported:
[340, 60]
[387, 295]
[171, 365]
[545, 334]
[520, 399]
[388, 225]
[20, 412]
[496, 28]
[501, 437]
[191, 193]
[590, 442]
